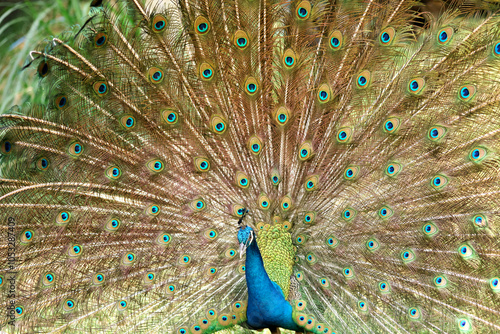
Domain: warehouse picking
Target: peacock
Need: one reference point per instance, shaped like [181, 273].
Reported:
[203, 166]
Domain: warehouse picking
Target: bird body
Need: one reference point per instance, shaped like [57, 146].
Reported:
[350, 149]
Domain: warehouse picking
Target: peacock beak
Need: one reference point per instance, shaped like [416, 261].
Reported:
[243, 249]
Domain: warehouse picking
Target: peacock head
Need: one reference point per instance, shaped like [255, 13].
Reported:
[245, 238]
[245, 234]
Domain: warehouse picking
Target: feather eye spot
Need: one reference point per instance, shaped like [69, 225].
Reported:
[407, 256]
[363, 79]
[100, 39]
[43, 69]
[384, 287]
[128, 122]
[27, 236]
[324, 282]
[98, 279]
[47, 279]
[414, 313]
[466, 251]
[351, 173]
[281, 116]
[495, 284]
[185, 259]
[436, 133]
[303, 10]
[336, 40]
[348, 272]
[155, 75]
[440, 281]
[171, 288]
[6, 147]
[496, 49]
[348, 214]
[251, 86]
[163, 239]
[63, 217]
[480, 221]
[305, 151]
[286, 203]
[153, 210]
[477, 154]
[155, 166]
[75, 250]
[122, 305]
[242, 180]
[385, 38]
[100, 88]
[464, 324]
[464, 93]
[438, 182]
[201, 164]
[344, 135]
[42, 164]
[444, 35]
[242, 42]
[391, 125]
[19, 311]
[311, 258]
[362, 306]
[241, 39]
[393, 169]
[372, 245]
[202, 26]
[414, 85]
[467, 92]
[218, 124]
[385, 212]
[332, 242]
[311, 183]
[112, 225]
[206, 72]
[159, 23]
[324, 93]
[113, 173]
[289, 58]
[430, 229]
[61, 102]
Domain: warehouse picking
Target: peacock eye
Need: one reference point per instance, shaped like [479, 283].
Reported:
[363, 79]
[158, 23]
[303, 10]
[42, 164]
[240, 39]
[100, 39]
[444, 35]
[43, 69]
[387, 36]
[496, 49]
[202, 26]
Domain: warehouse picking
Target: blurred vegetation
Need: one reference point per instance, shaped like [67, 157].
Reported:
[23, 25]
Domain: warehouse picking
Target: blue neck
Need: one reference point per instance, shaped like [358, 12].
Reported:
[267, 307]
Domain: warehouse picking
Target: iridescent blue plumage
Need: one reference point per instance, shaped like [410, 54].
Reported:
[266, 306]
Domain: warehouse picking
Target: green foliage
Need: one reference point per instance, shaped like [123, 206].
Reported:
[22, 26]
